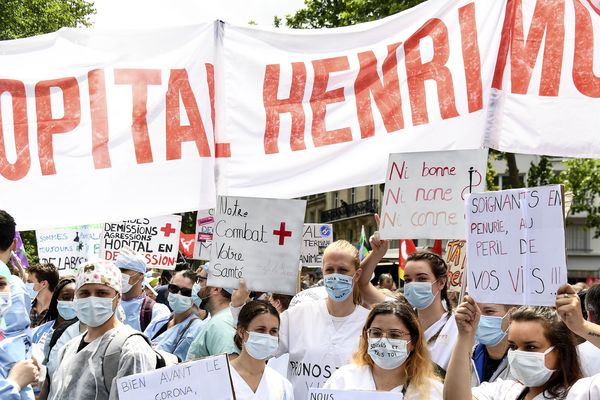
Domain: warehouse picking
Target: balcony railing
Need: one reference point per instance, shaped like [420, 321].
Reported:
[350, 210]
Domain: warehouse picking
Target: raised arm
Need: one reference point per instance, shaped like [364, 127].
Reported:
[568, 306]
[457, 385]
[369, 293]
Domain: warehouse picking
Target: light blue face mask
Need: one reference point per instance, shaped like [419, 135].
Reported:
[179, 303]
[195, 298]
[489, 332]
[31, 291]
[419, 294]
[338, 286]
[66, 309]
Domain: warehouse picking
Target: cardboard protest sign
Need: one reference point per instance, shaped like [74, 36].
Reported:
[258, 240]
[516, 245]
[205, 221]
[156, 238]
[456, 259]
[326, 394]
[69, 247]
[425, 192]
[206, 379]
[315, 238]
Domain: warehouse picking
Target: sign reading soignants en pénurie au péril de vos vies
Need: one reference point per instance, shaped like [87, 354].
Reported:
[516, 245]
[157, 239]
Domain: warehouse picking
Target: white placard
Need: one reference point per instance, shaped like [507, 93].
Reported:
[325, 394]
[206, 379]
[258, 240]
[516, 245]
[156, 238]
[425, 192]
[315, 238]
[67, 248]
[205, 220]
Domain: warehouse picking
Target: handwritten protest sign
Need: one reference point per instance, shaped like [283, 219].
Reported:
[314, 240]
[258, 240]
[516, 245]
[456, 259]
[156, 238]
[67, 248]
[424, 193]
[326, 394]
[205, 221]
[206, 379]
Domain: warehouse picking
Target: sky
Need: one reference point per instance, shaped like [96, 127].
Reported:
[155, 13]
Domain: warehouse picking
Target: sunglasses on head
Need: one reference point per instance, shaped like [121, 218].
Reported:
[176, 289]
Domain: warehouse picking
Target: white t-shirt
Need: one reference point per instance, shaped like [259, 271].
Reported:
[501, 390]
[272, 386]
[589, 357]
[360, 377]
[316, 347]
[441, 348]
[585, 389]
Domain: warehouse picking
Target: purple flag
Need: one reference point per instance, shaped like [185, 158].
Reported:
[20, 251]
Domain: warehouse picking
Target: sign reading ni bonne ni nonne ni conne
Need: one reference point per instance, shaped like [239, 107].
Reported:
[516, 245]
[258, 240]
[425, 191]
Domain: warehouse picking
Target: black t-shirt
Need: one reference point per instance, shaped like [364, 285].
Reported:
[489, 367]
[82, 344]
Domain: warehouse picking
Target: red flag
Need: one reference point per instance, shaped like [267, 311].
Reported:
[437, 247]
[406, 248]
[186, 244]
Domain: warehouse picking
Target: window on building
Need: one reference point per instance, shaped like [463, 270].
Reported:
[352, 196]
[503, 181]
[371, 192]
[578, 237]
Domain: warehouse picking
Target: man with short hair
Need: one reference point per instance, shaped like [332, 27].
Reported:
[217, 335]
[41, 281]
[139, 309]
[589, 355]
[84, 361]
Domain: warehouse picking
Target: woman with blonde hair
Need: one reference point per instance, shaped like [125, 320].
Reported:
[392, 356]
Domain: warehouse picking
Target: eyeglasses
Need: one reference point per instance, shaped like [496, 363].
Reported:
[376, 333]
[187, 292]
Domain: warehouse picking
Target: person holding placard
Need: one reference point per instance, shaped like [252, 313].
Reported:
[589, 354]
[321, 335]
[542, 357]
[175, 333]
[392, 356]
[257, 335]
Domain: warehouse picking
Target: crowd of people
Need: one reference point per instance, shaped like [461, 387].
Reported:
[72, 337]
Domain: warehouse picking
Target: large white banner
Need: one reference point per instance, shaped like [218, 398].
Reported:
[105, 126]
[318, 110]
[546, 93]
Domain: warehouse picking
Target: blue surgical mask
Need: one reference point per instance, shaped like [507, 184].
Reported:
[94, 311]
[489, 332]
[195, 298]
[31, 291]
[338, 286]
[179, 303]
[66, 309]
[419, 294]
[261, 346]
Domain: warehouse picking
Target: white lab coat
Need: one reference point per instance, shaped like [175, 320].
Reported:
[272, 386]
[318, 343]
[501, 389]
[589, 357]
[360, 377]
[441, 348]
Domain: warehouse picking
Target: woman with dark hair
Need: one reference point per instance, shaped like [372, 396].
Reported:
[392, 356]
[257, 334]
[542, 357]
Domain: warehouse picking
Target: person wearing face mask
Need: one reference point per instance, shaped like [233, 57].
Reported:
[41, 282]
[257, 335]
[17, 370]
[542, 357]
[80, 374]
[140, 310]
[392, 356]
[217, 335]
[175, 333]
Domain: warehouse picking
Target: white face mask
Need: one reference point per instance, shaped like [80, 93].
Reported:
[529, 367]
[125, 285]
[5, 303]
[94, 311]
[261, 345]
[388, 353]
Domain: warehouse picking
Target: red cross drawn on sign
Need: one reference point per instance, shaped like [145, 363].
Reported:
[167, 230]
[282, 233]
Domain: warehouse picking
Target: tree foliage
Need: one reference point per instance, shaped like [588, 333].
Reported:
[542, 173]
[582, 177]
[23, 18]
